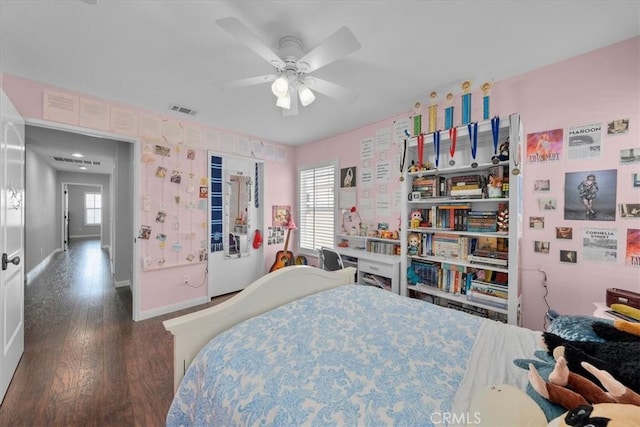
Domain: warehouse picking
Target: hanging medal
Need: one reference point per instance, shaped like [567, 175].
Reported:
[516, 159]
[495, 130]
[453, 134]
[473, 137]
[436, 146]
[402, 160]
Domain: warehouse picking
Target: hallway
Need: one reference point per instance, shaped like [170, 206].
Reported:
[85, 361]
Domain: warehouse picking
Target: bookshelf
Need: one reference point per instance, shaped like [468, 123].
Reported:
[462, 224]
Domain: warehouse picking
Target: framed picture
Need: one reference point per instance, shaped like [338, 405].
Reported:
[280, 215]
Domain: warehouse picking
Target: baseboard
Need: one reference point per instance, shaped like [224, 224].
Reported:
[122, 283]
[84, 236]
[172, 308]
[43, 264]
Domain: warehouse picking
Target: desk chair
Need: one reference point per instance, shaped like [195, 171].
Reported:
[330, 260]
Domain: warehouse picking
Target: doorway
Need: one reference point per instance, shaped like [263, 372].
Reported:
[51, 164]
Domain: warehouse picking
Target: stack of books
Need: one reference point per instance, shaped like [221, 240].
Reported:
[488, 293]
[482, 221]
[467, 186]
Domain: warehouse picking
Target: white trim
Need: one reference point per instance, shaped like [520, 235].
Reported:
[78, 129]
[136, 188]
[43, 264]
[172, 308]
[81, 236]
[122, 283]
[135, 266]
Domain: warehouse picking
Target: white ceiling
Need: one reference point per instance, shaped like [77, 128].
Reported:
[152, 54]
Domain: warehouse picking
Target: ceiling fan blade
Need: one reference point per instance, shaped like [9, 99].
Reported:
[246, 36]
[337, 45]
[267, 78]
[293, 109]
[332, 90]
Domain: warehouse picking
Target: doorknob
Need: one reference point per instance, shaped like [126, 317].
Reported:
[5, 261]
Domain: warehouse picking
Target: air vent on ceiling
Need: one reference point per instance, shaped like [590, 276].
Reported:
[184, 110]
[68, 160]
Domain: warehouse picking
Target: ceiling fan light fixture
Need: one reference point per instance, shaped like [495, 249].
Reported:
[284, 101]
[280, 87]
[305, 94]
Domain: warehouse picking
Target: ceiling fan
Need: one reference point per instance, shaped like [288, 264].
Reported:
[291, 80]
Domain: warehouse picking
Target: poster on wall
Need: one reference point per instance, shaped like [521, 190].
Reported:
[544, 146]
[280, 215]
[584, 142]
[618, 127]
[600, 245]
[590, 195]
[632, 258]
[348, 182]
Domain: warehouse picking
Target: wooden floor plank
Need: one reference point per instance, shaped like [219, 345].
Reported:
[86, 363]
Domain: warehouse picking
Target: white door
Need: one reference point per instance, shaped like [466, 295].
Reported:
[11, 242]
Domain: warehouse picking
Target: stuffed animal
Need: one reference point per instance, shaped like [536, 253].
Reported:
[507, 406]
[572, 390]
[619, 358]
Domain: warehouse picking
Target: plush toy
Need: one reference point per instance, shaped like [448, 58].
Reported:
[572, 390]
[619, 358]
[507, 406]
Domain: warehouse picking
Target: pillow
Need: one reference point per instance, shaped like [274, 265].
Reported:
[577, 328]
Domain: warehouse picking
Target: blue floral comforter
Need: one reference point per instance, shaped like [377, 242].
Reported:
[353, 355]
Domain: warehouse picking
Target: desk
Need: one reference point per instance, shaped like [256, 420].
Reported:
[372, 263]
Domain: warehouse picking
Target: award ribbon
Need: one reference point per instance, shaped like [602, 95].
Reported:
[420, 149]
[495, 130]
[436, 145]
[453, 133]
[473, 136]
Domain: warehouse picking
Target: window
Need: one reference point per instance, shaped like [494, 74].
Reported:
[316, 199]
[92, 208]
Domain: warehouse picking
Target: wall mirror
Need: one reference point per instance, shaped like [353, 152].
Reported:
[237, 221]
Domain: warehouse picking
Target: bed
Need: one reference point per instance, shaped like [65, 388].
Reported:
[302, 346]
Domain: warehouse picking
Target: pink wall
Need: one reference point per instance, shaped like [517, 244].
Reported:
[162, 287]
[593, 88]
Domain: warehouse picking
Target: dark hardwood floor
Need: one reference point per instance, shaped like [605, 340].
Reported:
[85, 361]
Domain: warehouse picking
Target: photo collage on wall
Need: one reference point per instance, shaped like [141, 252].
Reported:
[588, 195]
[175, 200]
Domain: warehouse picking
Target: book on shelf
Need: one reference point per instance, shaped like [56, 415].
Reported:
[487, 299]
[495, 262]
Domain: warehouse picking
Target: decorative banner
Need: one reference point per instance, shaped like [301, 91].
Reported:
[486, 89]
[466, 102]
[216, 204]
[417, 119]
[433, 112]
[448, 112]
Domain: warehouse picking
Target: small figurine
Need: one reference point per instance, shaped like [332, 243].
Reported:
[414, 167]
[414, 244]
[415, 219]
[503, 154]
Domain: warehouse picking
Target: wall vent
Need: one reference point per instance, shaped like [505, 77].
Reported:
[80, 161]
[183, 110]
